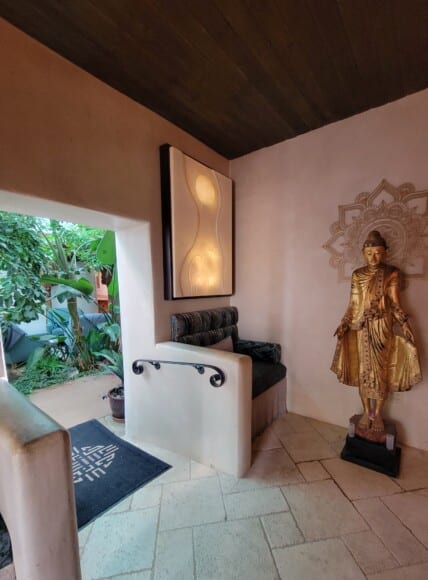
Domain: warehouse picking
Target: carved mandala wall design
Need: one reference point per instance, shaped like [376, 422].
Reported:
[401, 216]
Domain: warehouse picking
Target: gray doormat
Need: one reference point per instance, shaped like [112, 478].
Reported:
[5, 546]
[106, 469]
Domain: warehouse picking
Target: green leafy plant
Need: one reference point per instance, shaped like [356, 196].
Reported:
[114, 362]
[42, 370]
[106, 336]
[65, 267]
[35, 252]
[22, 255]
[53, 255]
[31, 247]
[106, 256]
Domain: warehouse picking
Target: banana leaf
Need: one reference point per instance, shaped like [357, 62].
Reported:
[81, 285]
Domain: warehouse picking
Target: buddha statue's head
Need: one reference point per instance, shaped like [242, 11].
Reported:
[374, 248]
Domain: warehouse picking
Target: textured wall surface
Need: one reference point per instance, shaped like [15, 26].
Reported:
[287, 198]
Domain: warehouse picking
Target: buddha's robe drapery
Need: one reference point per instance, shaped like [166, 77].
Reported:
[372, 355]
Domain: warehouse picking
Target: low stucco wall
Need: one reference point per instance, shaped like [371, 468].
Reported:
[36, 490]
[180, 410]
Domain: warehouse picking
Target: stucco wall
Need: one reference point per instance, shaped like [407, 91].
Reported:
[287, 196]
[66, 136]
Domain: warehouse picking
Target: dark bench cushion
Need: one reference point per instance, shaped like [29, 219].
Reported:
[266, 374]
[207, 327]
[260, 351]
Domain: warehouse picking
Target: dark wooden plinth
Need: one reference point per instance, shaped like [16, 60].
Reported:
[372, 455]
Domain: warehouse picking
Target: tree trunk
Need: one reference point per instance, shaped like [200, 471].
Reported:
[80, 353]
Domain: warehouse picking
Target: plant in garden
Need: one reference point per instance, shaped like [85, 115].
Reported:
[112, 358]
[29, 249]
[41, 259]
[65, 265]
[43, 368]
[22, 256]
[114, 362]
[36, 252]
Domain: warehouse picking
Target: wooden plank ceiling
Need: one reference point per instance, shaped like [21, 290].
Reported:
[241, 74]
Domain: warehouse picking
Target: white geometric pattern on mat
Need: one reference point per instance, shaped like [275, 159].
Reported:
[91, 462]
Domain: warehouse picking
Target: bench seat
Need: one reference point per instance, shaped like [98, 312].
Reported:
[211, 327]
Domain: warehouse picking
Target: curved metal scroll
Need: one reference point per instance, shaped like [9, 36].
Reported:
[216, 380]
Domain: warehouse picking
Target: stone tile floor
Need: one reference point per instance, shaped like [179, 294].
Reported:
[300, 513]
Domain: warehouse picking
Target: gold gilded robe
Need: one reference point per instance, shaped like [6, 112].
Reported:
[371, 355]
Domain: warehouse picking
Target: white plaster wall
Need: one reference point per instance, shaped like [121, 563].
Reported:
[287, 196]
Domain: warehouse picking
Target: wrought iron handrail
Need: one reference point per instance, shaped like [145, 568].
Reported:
[216, 380]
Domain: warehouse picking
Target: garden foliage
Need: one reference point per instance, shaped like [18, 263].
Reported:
[41, 259]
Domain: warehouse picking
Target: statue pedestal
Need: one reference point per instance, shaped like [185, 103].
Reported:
[368, 448]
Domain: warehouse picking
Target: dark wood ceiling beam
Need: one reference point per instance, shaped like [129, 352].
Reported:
[212, 90]
[242, 36]
[357, 18]
[175, 81]
[230, 84]
[313, 58]
[383, 30]
[240, 74]
[328, 18]
[227, 89]
[69, 32]
[411, 18]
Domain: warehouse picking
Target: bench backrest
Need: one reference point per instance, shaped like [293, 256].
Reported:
[205, 327]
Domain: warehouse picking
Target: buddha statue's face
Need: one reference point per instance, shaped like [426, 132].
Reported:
[374, 255]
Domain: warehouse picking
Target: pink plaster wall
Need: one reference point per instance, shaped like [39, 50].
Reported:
[287, 196]
[66, 136]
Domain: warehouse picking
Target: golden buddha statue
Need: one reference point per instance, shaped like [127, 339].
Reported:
[375, 345]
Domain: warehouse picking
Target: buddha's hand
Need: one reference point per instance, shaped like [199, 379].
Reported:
[341, 330]
[408, 334]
